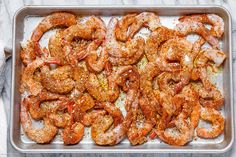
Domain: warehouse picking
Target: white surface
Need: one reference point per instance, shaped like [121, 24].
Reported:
[8, 7]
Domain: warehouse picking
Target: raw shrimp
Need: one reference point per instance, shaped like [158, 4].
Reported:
[205, 55]
[160, 35]
[51, 21]
[217, 120]
[73, 133]
[144, 19]
[121, 28]
[29, 52]
[173, 83]
[42, 135]
[133, 47]
[181, 137]
[27, 81]
[186, 27]
[96, 90]
[90, 117]
[58, 80]
[95, 63]
[80, 75]
[102, 135]
[212, 19]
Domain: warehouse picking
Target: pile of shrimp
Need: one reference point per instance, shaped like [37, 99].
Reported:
[76, 81]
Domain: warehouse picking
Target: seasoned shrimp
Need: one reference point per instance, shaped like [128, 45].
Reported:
[121, 28]
[80, 75]
[28, 82]
[42, 135]
[90, 117]
[212, 19]
[95, 63]
[58, 80]
[217, 120]
[60, 120]
[144, 19]
[186, 27]
[157, 37]
[205, 55]
[29, 52]
[181, 137]
[102, 135]
[73, 133]
[51, 21]
[195, 115]
[133, 47]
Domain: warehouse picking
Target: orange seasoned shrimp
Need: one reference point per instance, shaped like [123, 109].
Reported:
[133, 47]
[90, 117]
[205, 55]
[42, 135]
[29, 52]
[173, 83]
[73, 133]
[144, 19]
[181, 137]
[96, 90]
[121, 28]
[28, 82]
[95, 63]
[80, 75]
[186, 27]
[157, 37]
[212, 19]
[102, 135]
[195, 115]
[217, 120]
[51, 21]
[58, 80]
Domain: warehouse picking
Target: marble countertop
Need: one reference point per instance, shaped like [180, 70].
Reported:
[8, 8]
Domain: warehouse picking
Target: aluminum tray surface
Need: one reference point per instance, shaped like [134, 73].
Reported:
[26, 19]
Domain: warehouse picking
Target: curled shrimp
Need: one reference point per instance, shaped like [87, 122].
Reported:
[90, 117]
[133, 47]
[29, 83]
[80, 76]
[42, 135]
[144, 19]
[217, 120]
[181, 137]
[58, 80]
[157, 37]
[51, 21]
[212, 19]
[189, 26]
[205, 55]
[73, 133]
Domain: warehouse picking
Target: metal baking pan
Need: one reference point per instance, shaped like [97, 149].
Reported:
[27, 18]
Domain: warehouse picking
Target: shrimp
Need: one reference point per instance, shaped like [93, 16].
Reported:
[95, 89]
[94, 63]
[51, 21]
[102, 135]
[60, 120]
[144, 19]
[42, 135]
[29, 52]
[204, 56]
[80, 76]
[217, 120]
[28, 82]
[212, 19]
[195, 115]
[90, 117]
[133, 47]
[189, 26]
[121, 28]
[160, 35]
[58, 80]
[73, 133]
[181, 137]
[173, 83]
